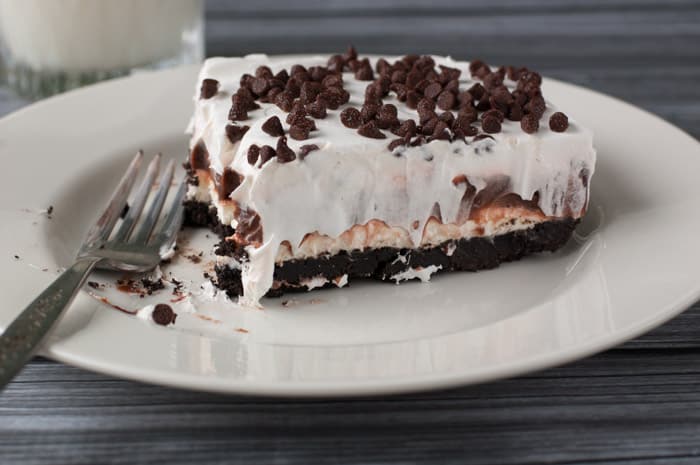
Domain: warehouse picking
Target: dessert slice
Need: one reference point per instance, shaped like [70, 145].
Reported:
[319, 170]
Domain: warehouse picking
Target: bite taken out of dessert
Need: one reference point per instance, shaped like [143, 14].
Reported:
[317, 170]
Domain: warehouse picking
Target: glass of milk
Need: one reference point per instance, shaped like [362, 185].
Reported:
[49, 46]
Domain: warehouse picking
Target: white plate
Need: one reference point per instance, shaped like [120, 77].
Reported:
[630, 268]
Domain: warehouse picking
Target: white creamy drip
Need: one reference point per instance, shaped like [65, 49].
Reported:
[353, 179]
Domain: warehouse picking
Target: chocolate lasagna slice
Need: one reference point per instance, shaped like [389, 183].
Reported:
[319, 170]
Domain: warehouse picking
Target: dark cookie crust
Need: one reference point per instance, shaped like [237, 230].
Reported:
[381, 264]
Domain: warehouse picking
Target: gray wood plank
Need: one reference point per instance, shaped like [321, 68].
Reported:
[636, 404]
[563, 415]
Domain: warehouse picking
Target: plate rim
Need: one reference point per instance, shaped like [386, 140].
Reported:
[373, 386]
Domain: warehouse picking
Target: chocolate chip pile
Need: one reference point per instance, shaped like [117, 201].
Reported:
[445, 110]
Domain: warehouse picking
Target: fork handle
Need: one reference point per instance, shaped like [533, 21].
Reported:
[19, 341]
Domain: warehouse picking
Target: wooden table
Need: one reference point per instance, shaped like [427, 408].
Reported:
[638, 403]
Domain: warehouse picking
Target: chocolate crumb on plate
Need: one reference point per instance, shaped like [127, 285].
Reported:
[93, 284]
[163, 315]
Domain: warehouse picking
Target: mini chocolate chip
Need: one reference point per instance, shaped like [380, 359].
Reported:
[465, 98]
[382, 66]
[520, 98]
[412, 99]
[398, 76]
[373, 94]
[199, 156]
[350, 54]
[470, 113]
[299, 132]
[275, 83]
[235, 133]
[407, 128]
[491, 124]
[440, 131]
[477, 91]
[388, 111]
[400, 90]
[364, 72]
[163, 315]
[297, 69]
[463, 121]
[317, 109]
[428, 127]
[452, 86]
[228, 183]
[558, 122]
[383, 83]
[426, 115]
[267, 153]
[494, 113]
[530, 123]
[260, 86]
[272, 94]
[284, 101]
[422, 85]
[209, 88]
[284, 153]
[317, 73]
[491, 81]
[398, 143]
[238, 111]
[282, 75]
[304, 150]
[369, 112]
[515, 113]
[536, 106]
[273, 127]
[253, 154]
[425, 104]
[263, 72]
[292, 88]
[432, 90]
[351, 118]
[467, 131]
[246, 80]
[371, 130]
[245, 97]
[413, 78]
[333, 80]
[449, 74]
[475, 65]
[335, 97]
[446, 100]
[336, 63]
[447, 117]
[483, 104]
[298, 112]
[309, 91]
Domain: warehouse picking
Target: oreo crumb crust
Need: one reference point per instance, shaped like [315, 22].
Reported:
[474, 254]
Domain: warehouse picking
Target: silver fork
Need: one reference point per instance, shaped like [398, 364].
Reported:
[128, 249]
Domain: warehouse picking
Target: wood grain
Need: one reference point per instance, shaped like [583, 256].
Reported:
[636, 404]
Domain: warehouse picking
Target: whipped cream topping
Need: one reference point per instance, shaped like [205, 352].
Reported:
[353, 180]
